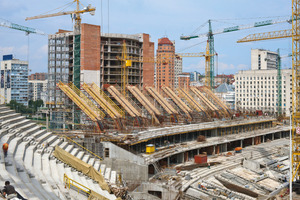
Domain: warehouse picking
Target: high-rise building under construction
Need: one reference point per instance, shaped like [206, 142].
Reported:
[92, 57]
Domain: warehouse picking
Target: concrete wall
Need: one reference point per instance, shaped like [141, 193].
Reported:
[119, 153]
[167, 191]
[132, 172]
[144, 196]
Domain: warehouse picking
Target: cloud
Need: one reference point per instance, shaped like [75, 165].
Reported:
[6, 50]
[44, 49]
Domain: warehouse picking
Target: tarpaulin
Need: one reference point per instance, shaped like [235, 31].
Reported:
[81, 166]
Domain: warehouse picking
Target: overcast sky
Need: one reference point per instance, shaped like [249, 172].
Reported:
[159, 18]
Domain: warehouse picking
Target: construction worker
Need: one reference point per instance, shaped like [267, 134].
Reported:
[5, 149]
[9, 190]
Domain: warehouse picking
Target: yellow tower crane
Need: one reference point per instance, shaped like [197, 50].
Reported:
[75, 15]
[295, 115]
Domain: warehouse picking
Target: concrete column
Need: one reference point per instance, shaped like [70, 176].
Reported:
[252, 141]
[225, 147]
[198, 151]
[214, 151]
[241, 143]
[263, 139]
[182, 157]
[168, 159]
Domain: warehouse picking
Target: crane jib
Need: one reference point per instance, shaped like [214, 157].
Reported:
[263, 23]
[23, 28]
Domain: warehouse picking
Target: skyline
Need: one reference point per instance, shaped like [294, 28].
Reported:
[159, 19]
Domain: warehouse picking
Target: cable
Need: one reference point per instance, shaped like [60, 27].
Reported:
[101, 17]
[107, 16]
[197, 29]
[190, 46]
[252, 18]
[28, 49]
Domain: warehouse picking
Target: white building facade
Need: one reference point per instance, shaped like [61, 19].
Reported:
[258, 90]
[177, 70]
[37, 90]
[263, 59]
[13, 80]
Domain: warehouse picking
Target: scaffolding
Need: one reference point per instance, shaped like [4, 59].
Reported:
[153, 111]
[185, 94]
[178, 101]
[161, 100]
[206, 102]
[83, 103]
[104, 104]
[225, 109]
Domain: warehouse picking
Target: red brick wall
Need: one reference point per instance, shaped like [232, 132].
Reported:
[90, 47]
[148, 68]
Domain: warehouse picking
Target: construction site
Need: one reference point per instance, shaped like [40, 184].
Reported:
[118, 128]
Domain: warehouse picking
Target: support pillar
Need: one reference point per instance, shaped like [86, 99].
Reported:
[252, 141]
[242, 143]
[168, 160]
[273, 136]
[197, 151]
[214, 151]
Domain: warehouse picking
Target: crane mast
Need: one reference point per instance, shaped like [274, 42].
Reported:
[295, 89]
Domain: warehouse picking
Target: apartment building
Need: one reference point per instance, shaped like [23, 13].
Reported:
[165, 68]
[37, 90]
[14, 80]
[177, 70]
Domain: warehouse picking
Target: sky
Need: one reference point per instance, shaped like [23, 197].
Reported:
[159, 18]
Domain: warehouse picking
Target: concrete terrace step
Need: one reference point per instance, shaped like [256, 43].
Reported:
[64, 145]
[80, 154]
[75, 151]
[91, 161]
[86, 158]
[107, 174]
[11, 120]
[11, 116]
[4, 111]
[97, 165]
[113, 177]
[69, 148]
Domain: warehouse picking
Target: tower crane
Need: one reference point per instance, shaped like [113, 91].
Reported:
[127, 62]
[209, 65]
[295, 115]
[75, 14]
[26, 29]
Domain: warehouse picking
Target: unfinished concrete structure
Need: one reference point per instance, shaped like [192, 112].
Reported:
[91, 58]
